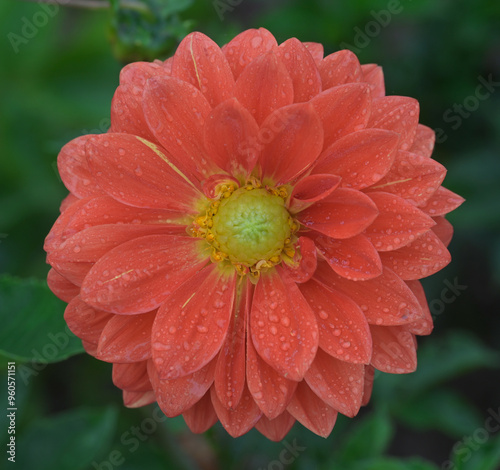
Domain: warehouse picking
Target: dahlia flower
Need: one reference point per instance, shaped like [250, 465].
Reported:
[245, 243]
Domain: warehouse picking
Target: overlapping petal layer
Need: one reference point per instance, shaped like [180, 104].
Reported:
[297, 335]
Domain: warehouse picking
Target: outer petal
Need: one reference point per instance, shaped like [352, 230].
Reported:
[283, 327]
[176, 396]
[74, 170]
[424, 141]
[424, 325]
[361, 158]
[61, 287]
[394, 349]
[339, 68]
[189, 330]
[231, 138]
[275, 429]
[76, 256]
[398, 114]
[271, 391]
[137, 276]
[385, 300]
[443, 229]
[354, 258]
[316, 50]
[176, 112]
[138, 399]
[374, 76]
[246, 46]
[412, 177]
[240, 420]
[398, 223]
[421, 258]
[311, 189]
[343, 214]
[126, 338]
[199, 61]
[368, 385]
[343, 109]
[441, 202]
[343, 329]
[302, 69]
[138, 173]
[132, 377]
[312, 412]
[230, 371]
[138, 73]
[201, 416]
[339, 384]
[295, 141]
[84, 321]
[264, 86]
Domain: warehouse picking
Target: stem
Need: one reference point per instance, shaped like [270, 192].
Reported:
[97, 4]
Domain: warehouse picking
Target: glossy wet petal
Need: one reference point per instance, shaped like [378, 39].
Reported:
[275, 429]
[201, 416]
[374, 76]
[394, 349]
[132, 377]
[339, 68]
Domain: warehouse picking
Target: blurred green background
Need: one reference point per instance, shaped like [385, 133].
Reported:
[59, 68]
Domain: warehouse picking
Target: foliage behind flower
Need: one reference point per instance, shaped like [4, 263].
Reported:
[245, 243]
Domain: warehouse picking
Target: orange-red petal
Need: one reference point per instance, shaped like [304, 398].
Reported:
[421, 258]
[201, 416]
[353, 258]
[264, 86]
[189, 331]
[423, 143]
[275, 429]
[61, 287]
[137, 276]
[132, 377]
[240, 420]
[74, 169]
[306, 263]
[294, 139]
[441, 202]
[398, 223]
[394, 349]
[339, 68]
[176, 112]
[126, 338]
[138, 173]
[384, 300]
[424, 325]
[311, 189]
[231, 138]
[343, 109]
[398, 114]
[361, 158]
[311, 411]
[283, 327]
[374, 76]
[343, 330]
[178, 395]
[199, 61]
[343, 214]
[302, 69]
[338, 383]
[272, 392]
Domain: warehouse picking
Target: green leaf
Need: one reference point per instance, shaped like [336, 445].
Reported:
[33, 326]
[440, 409]
[474, 452]
[70, 440]
[369, 437]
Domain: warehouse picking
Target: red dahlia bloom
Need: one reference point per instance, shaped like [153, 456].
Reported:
[245, 243]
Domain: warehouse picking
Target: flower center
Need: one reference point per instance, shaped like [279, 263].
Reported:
[251, 225]
[248, 227]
